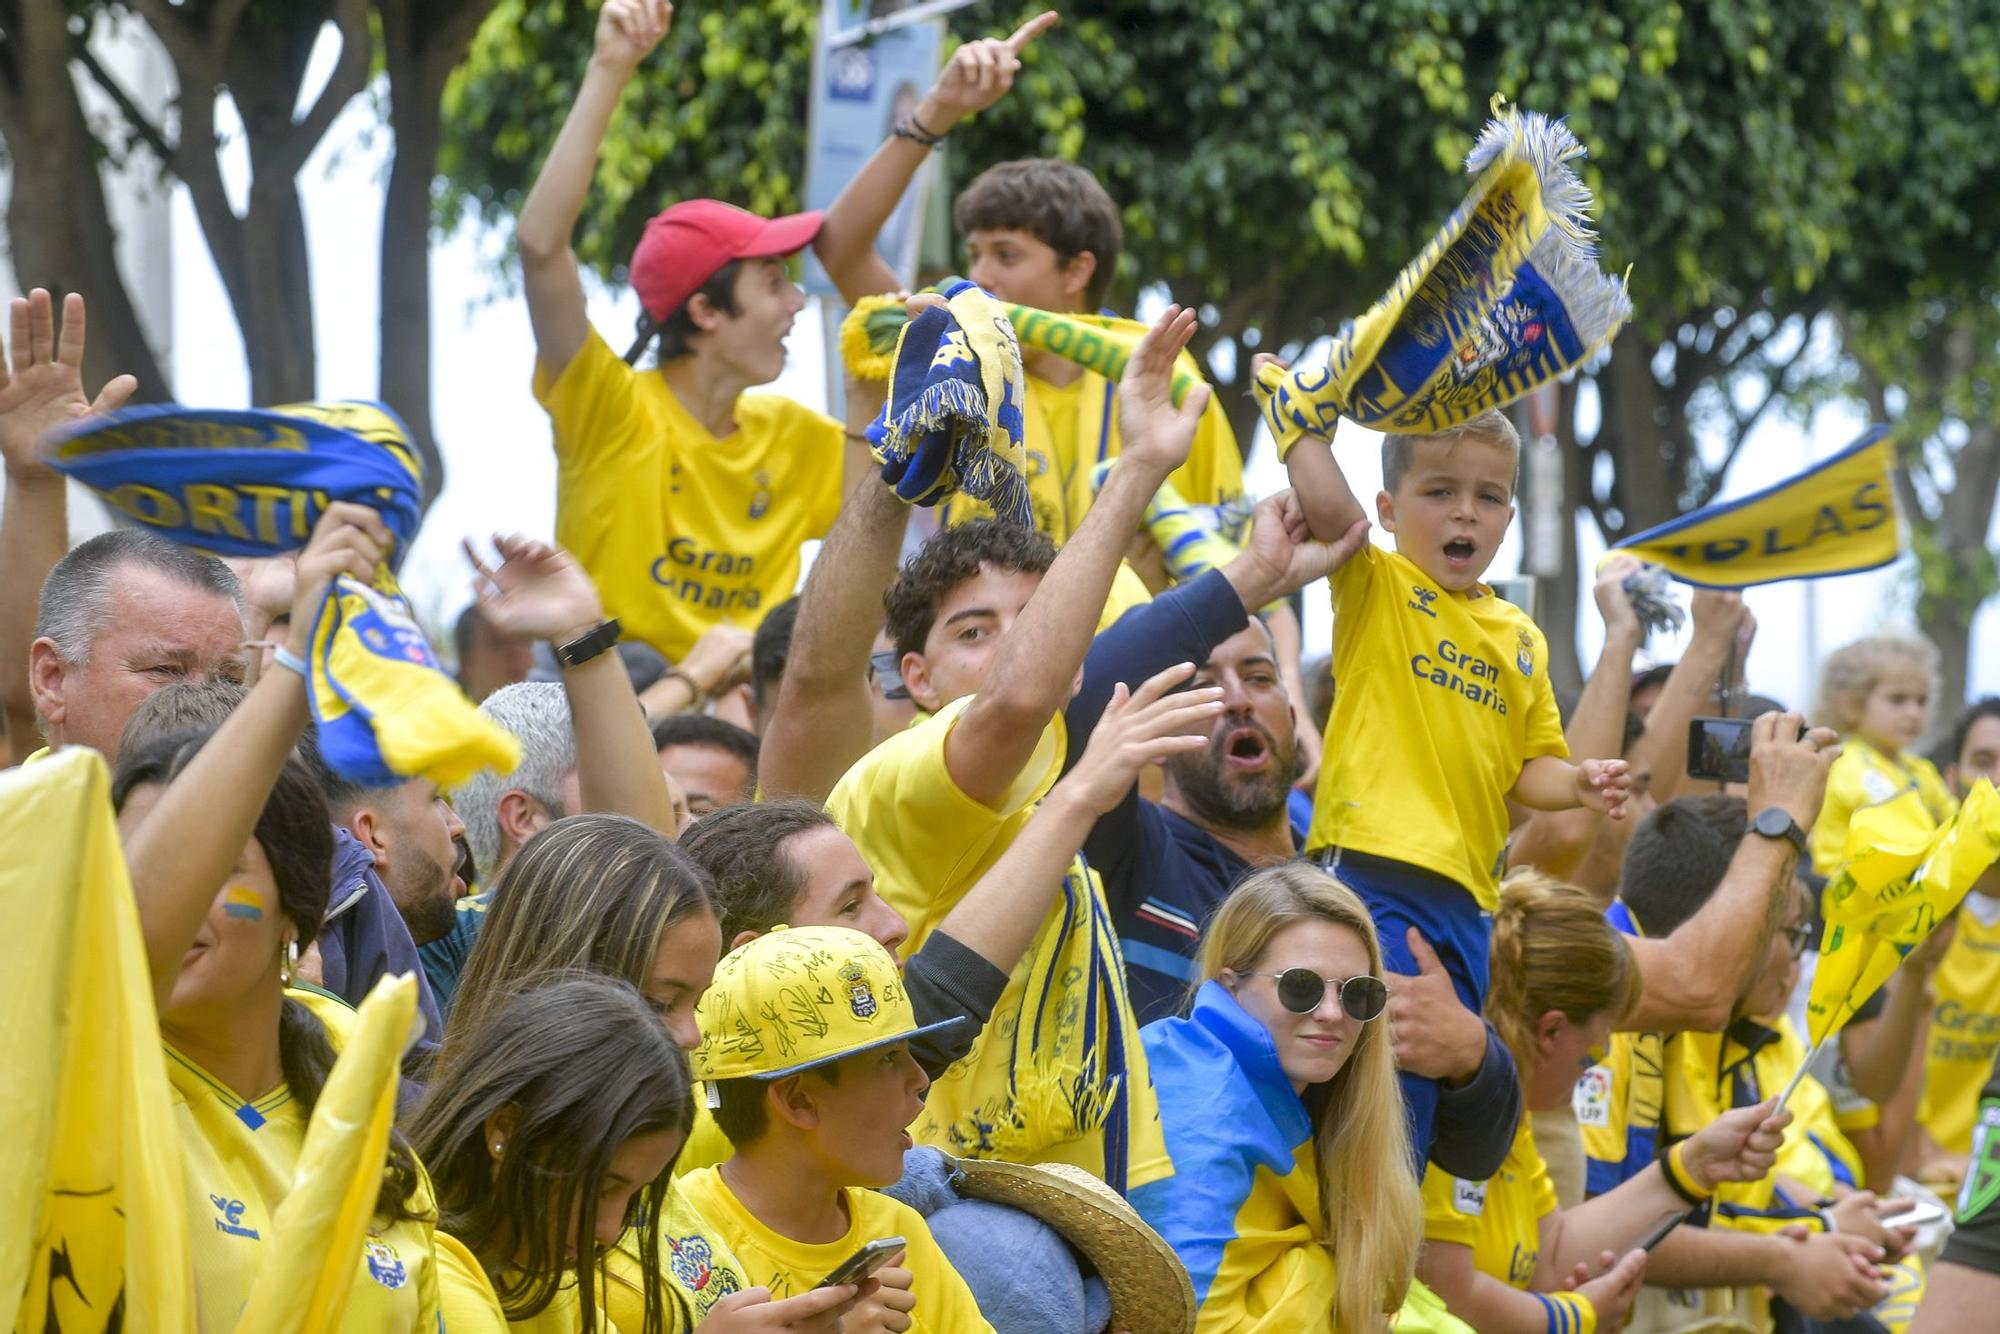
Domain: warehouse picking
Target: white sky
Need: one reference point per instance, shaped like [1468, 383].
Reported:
[501, 473]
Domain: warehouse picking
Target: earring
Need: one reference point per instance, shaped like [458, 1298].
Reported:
[499, 1145]
[288, 963]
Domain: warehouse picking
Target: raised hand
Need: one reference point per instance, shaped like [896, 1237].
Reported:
[628, 30]
[1157, 434]
[717, 656]
[1740, 1145]
[538, 590]
[1138, 728]
[1614, 604]
[349, 539]
[979, 74]
[41, 384]
[1789, 770]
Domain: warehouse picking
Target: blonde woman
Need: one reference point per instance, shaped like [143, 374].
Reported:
[1292, 1202]
[1501, 1254]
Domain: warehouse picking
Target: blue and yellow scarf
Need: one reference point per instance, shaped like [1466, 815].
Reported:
[1506, 296]
[953, 420]
[251, 481]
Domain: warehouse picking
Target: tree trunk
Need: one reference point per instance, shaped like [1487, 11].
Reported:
[58, 225]
[277, 319]
[421, 46]
[1559, 594]
[1965, 518]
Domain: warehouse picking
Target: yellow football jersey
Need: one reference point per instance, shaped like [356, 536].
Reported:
[472, 1307]
[1442, 698]
[787, 1267]
[1070, 429]
[1500, 1218]
[680, 530]
[1864, 776]
[1965, 1025]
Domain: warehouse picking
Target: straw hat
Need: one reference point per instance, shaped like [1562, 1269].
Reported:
[1150, 1289]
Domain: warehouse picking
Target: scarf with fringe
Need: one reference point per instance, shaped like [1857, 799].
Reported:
[249, 481]
[953, 421]
[1506, 296]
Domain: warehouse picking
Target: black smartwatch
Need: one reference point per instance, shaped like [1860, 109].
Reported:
[1772, 822]
[588, 644]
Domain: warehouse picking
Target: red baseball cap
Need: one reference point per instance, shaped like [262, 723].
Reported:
[687, 244]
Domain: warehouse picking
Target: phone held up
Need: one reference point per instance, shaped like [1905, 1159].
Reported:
[1719, 749]
[857, 1267]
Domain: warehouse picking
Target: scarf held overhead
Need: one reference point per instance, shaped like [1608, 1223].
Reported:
[953, 419]
[385, 711]
[1506, 296]
[247, 482]
[1836, 517]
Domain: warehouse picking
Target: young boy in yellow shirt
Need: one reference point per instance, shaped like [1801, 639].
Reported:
[806, 1057]
[1444, 709]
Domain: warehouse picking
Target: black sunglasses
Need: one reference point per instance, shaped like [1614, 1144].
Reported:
[1800, 938]
[1300, 990]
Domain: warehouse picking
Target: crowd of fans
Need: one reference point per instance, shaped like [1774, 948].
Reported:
[1010, 916]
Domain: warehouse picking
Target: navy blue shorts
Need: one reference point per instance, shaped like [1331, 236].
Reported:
[1400, 896]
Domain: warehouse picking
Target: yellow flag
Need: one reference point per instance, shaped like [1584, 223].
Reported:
[323, 1222]
[1836, 517]
[1903, 877]
[93, 1222]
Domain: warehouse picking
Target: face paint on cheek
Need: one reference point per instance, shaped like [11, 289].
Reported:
[244, 902]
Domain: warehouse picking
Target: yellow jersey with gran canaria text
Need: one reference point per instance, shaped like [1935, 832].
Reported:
[683, 531]
[1439, 700]
[1500, 1219]
[1058, 1074]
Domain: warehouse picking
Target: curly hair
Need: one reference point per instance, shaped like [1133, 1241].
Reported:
[1854, 670]
[948, 560]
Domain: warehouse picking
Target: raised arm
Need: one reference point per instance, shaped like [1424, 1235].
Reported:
[41, 387]
[1720, 620]
[1329, 502]
[1693, 977]
[1556, 841]
[999, 915]
[824, 720]
[540, 590]
[184, 848]
[627, 31]
[1036, 666]
[978, 75]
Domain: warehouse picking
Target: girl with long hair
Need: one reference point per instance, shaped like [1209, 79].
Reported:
[1501, 1254]
[549, 1124]
[1279, 1100]
[605, 895]
[231, 853]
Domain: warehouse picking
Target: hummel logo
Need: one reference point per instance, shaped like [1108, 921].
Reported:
[1421, 599]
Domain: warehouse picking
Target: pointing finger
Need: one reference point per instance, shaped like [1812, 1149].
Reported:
[1032, 29]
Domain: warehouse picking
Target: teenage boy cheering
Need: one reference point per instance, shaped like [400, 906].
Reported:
[684, 497]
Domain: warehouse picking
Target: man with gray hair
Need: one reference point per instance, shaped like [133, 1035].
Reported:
[122, 615]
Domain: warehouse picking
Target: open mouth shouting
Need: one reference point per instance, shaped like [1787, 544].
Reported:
[1245, 749]
[1459, 552]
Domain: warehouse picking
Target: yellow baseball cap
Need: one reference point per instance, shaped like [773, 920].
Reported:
[799, 997]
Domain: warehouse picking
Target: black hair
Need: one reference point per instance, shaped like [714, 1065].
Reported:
[1988, 707]
[1677, 857]
[584, 1066]
[698, 729]
[296, 834]
[1635, 728]
[1656, 675]
[947, 560]
[769, 648]
[742, 849]
[674, 336]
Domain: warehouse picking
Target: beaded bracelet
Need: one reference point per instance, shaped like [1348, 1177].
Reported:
[909, 127]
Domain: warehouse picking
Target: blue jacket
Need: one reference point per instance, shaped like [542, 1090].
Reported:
[363, 939]
[1241, 1209]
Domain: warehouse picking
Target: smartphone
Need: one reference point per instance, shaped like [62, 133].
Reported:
[1719, 749]
[1921, 1213]
[857, 1267]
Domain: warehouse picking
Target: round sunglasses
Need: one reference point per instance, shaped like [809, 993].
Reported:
[1300, 990]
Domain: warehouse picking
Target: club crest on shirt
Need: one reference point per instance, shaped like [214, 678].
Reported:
[384, 1265]
[860, 998]
[1421, 599]
[760, 499]
[232, 1217]
[692, 1265]
[1524, 651]
[1591, 1099]
[1468, 1197]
